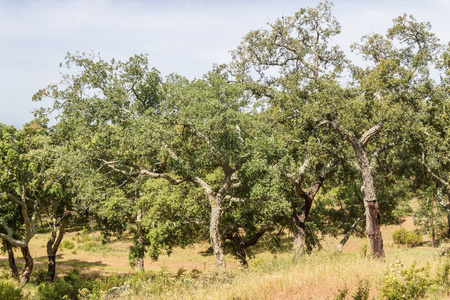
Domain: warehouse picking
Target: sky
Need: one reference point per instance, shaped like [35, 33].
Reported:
[182, 36]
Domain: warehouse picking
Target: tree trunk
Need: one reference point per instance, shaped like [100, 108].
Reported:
[240, 249]
[216, 239]
[448, 222]
[348, 234]
[51, 270]
[53, 246]
[299, 234]
[370, 203]
[28, 269]
[12, 261]
[299, 218]
[433, 238]
[240, 245]
[140, 234]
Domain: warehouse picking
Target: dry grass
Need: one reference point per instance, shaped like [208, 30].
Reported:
[320, 275]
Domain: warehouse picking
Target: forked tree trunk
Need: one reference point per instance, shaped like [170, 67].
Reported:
[240, 249]
[12, 261]
[299, 218]
[370, 199]
[28, 268]
[373, 219]
[53, 246]
[240, 245]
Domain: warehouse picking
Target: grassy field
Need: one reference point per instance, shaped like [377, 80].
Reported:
[324, 274]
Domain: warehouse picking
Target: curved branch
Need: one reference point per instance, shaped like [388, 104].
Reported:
[371, 133]
[441, 180]
[342, 131]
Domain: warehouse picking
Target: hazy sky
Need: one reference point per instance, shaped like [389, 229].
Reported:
[186, 37]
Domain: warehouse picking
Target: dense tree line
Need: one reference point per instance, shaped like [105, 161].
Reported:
[289, 134]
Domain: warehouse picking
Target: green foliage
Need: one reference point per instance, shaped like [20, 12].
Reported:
[405, 283]
[39, 276]
[443, 276]
[10, 290]
[67, 287]
[363, 251]
[67, 245]
[403, 237]
[362, 291]
[96, 247]
[430, 216]
[342, 294]
[400, 236]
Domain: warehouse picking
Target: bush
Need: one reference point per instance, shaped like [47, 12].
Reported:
[400, 236]
[362, 292]
[67, 287]
[9, 290]
[403, 237]
[67, 245]
[414, 239]
[401, 283]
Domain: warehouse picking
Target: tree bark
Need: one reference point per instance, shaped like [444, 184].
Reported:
[348, 234]
[53, 246]
[51, 270]
[12, 261]
[240, 249]
[240, 245]
[299, 234]
[299, 218]
[140, 234]
[28, 269]
[373, 219]
[433, 238]
[216, 239]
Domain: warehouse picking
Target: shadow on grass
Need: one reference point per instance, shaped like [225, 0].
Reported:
[81, 264]
[71, 262]
[207, 252]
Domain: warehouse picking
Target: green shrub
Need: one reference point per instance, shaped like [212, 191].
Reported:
[9, 290]
[95, 247]
[342, 294]
[442, 276]
[401, 283]
[362, 292]
[39, 276]
[67, 287]
[414, 239]
[400, 236]
[67, 245]
[403, 237]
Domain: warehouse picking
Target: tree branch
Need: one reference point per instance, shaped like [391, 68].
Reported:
[441, 180]
[343, 132]
[212, 147]
[371, 133]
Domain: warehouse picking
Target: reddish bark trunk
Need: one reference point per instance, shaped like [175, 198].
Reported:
[240, 245]
[28, 269]
[299, 218]
[299, 234]
[373, 219]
